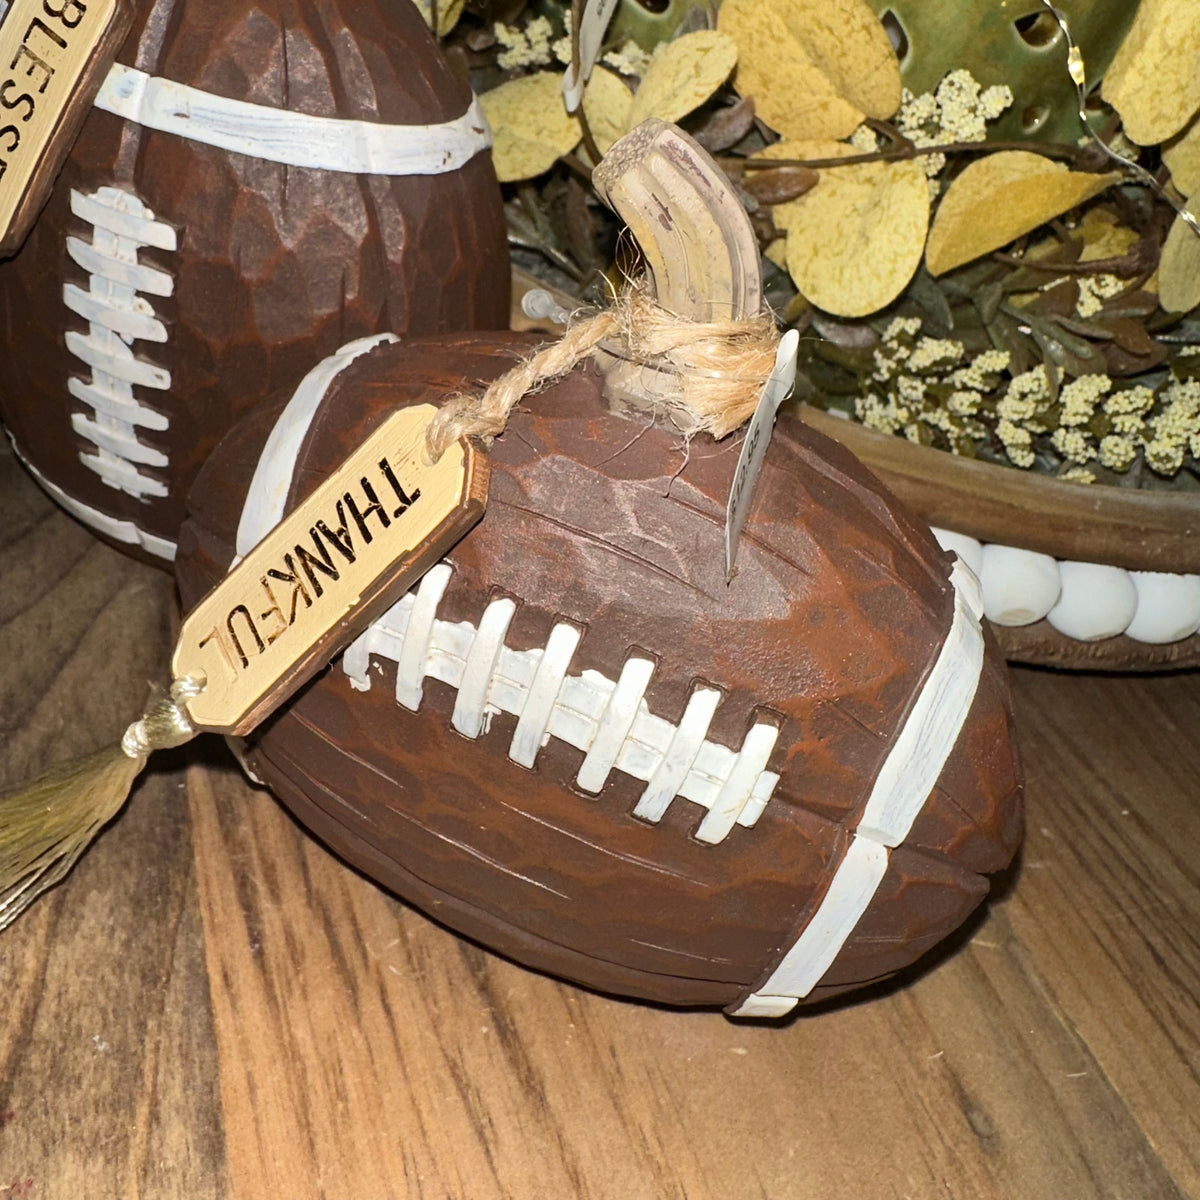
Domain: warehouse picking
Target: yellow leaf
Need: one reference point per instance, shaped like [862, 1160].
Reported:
[854, 241]
[999, 198]
[1154, 79]
[1179, 267]
[1103, 236]
[606, 104]
[682, 75]
[531, 125]
[1182, 157]
[814, 67]
[813, 148]
[448, 12]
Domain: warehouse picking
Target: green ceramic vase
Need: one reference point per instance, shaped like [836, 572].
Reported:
[649, 22]
[1017, 42]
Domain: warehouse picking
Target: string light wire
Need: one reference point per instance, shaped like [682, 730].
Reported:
[1078, 72]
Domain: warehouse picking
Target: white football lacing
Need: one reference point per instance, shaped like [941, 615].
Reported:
[118, 315]
[609, 720]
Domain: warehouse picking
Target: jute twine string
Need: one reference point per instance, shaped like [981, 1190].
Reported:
[717, 369]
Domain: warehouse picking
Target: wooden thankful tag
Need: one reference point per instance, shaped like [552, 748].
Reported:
[329, 568]
[54, 55]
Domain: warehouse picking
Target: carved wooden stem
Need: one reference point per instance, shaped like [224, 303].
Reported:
[700, 250]
[692, 228]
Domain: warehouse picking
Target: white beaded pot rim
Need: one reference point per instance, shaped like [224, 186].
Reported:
[1153, 615]
[1074, 576]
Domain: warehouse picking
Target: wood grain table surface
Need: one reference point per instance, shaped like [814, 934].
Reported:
[214, 1006]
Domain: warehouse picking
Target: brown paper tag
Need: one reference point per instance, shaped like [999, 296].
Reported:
[328, 569]
[54, 55]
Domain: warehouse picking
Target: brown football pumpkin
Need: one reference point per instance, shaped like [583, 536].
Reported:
[258, 184]
[576, 743]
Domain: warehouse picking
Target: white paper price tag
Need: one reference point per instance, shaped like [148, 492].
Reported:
[754, 448]
[593, 23]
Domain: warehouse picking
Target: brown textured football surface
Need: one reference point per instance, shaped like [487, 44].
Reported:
[276, 266]
[838, 609]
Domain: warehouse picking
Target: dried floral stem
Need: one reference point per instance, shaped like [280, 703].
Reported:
[888, 130]
[904, 151]
[577, 166]
[1125, 266]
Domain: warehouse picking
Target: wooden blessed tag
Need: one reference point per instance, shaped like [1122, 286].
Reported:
[328, 569]
[54, 56]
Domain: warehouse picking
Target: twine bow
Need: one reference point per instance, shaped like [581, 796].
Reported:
[720, 368]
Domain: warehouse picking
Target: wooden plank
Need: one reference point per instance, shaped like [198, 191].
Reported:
[1108, 910]
[366, 1048]
[214, 1006]
[107, 1069]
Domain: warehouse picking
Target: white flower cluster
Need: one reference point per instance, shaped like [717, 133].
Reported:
[561, 47]
[1117, 451]
[534, 45]
[1134, 401]
[932, 353]
[1094, 423]
[1126, 411]
[927, 385]
[1018, 442]
[528, 47]
[628, 59]
[909, 368]
[957, 112]
[1175, 430]
[1026, 394]
[864, 139]
[1028, 408]
[900, 327]
[1167, 437]
[1080, 397]
[1094, 290]
[893, 350]
[974, 376]
[1073, 444]
[923, 387]
[876, 413]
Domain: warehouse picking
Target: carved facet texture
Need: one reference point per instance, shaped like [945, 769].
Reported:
[170, 285]
[826, 635]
